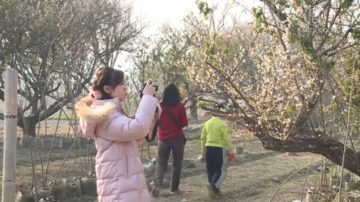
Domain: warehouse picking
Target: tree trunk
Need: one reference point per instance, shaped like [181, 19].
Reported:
[29, 128]
[193, 108]
[330, 148]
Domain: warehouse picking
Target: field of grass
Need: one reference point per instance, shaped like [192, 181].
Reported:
[63, 115]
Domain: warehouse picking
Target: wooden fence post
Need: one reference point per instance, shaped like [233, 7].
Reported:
[10, 140]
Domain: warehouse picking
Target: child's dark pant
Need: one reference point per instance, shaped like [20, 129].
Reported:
[215, 165]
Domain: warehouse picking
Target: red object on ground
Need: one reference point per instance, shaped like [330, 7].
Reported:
[231, 156]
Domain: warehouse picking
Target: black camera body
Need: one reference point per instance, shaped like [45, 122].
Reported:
[156, 87]
[141, 92]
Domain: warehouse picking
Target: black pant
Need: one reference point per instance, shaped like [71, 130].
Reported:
[215, 165]
[176, 146]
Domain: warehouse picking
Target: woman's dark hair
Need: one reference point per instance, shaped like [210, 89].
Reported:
[171, 95]
[106, 76]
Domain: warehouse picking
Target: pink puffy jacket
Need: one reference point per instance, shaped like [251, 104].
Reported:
[119, 171]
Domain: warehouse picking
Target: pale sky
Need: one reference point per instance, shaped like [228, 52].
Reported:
[155, 13]
[158, 12]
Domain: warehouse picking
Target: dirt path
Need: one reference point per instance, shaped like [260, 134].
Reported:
[255, 178]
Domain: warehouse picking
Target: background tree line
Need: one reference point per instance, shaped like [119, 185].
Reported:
[56, 45]
[291, 77]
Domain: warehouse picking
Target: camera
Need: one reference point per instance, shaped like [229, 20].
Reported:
[156, 87]
[141, 92]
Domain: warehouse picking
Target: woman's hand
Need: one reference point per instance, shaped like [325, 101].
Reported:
[201, 157]
[149, 89]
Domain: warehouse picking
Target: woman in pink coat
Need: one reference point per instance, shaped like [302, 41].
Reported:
[119, 171]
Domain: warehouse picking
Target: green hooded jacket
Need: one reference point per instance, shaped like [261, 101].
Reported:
[215, 133]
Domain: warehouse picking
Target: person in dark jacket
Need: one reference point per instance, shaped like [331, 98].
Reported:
[171, 138]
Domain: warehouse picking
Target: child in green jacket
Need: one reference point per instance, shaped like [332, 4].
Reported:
[216, 144]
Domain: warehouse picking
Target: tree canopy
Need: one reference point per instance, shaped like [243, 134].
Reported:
[55, 47]
[291, 78]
